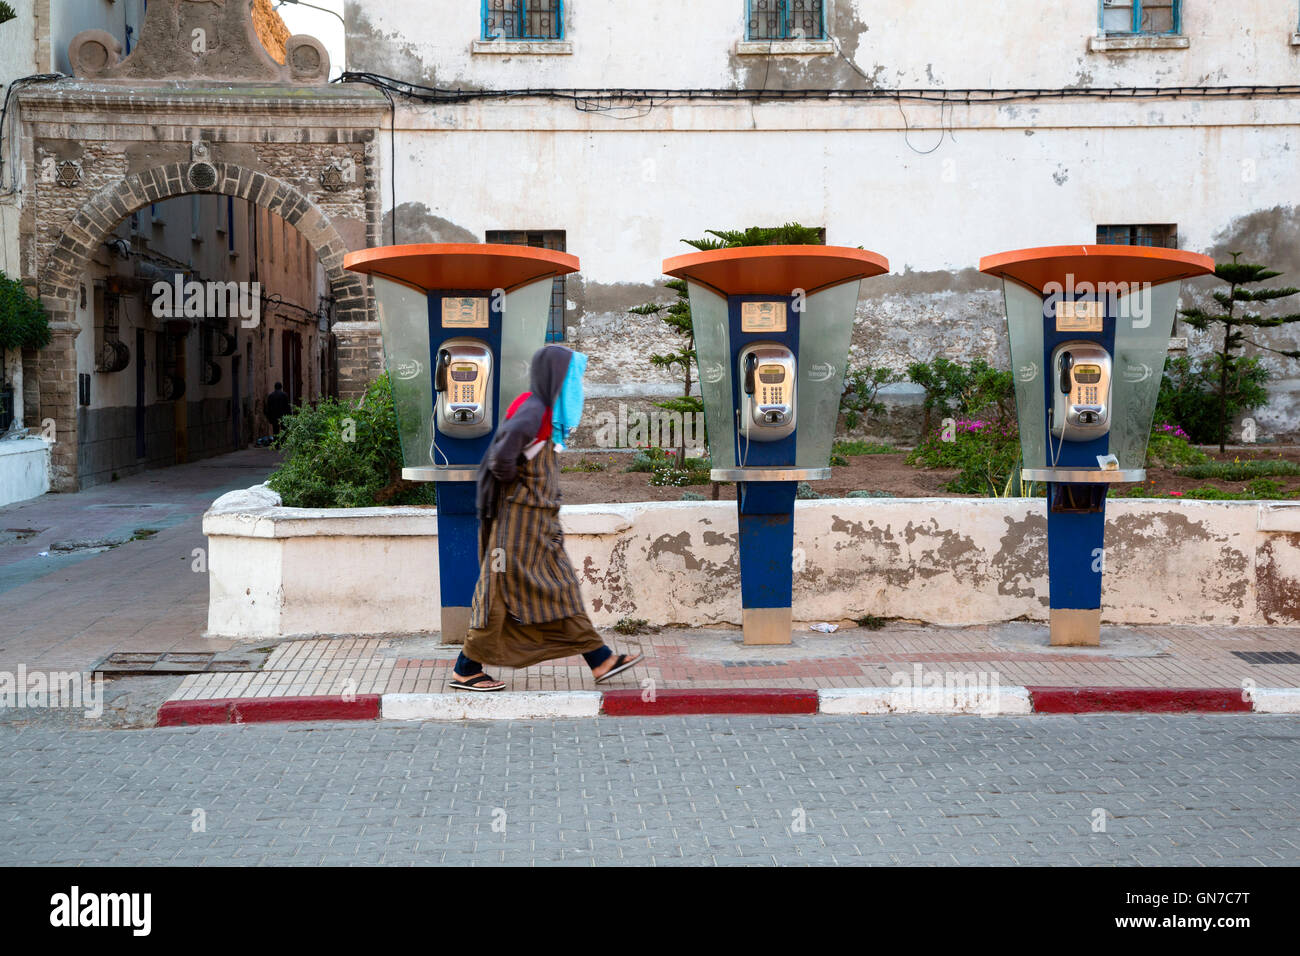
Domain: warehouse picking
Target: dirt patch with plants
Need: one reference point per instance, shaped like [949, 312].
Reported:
[1266, 472]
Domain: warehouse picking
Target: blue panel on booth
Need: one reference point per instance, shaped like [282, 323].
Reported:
[766, 511]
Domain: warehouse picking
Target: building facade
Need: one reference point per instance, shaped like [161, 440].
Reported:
[931, 131]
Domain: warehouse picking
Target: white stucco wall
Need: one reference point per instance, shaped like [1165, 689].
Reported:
[627, 180]
[282, 571]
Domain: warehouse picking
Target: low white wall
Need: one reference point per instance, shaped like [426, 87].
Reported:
[24, 469]
[285, 571]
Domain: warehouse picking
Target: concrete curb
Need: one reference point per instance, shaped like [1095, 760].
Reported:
[864, 701]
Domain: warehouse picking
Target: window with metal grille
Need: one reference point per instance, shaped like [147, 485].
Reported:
[1164, 236]
[785, 20]
[523, 19]
[1140, 17]
[540, 239]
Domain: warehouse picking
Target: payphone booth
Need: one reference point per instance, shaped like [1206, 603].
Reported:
[772, 328]
[460, 324]
[1089, 331]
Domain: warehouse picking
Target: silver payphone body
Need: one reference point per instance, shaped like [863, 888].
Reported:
[767, 402]
[463, 382]
[1081, 405]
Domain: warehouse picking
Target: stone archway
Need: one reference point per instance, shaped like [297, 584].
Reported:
[167, 122]
[60, 281]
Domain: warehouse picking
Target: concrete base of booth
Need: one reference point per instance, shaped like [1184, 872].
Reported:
[767, 625]
[455, 624]
[1075, 627]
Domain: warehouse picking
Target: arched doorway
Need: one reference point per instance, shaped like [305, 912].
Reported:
[98, 151]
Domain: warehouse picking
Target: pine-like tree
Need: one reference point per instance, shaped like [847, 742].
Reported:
[1236, 275]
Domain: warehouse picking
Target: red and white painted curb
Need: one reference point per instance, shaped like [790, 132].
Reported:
[540, 705]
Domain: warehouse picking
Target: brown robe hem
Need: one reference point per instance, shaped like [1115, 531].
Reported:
[507, 643]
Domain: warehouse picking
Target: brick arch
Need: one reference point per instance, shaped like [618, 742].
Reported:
[61, 279]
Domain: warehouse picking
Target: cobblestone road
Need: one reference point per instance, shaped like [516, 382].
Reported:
[755, 790]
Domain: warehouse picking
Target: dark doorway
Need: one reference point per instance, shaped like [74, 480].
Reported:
[140, 417]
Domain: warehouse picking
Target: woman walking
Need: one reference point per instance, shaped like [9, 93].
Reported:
[527, 604]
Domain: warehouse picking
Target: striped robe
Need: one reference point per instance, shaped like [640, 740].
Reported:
[522, 552]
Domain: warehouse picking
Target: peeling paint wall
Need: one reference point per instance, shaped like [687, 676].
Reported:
[942, 561]
[932, 187]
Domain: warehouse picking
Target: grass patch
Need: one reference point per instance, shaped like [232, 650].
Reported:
[871, 622]
[632, 625]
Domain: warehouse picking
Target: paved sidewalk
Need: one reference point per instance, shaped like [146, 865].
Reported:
[1008, 654]
[68, 609]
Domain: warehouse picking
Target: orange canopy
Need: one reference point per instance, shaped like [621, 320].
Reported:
[1036, 268]
[775, 270]
[461, 265]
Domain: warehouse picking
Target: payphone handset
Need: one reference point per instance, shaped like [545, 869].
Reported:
[767, 374]
[463, 382]
[1081, 373]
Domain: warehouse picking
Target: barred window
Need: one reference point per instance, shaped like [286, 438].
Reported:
[785, 20]
[523, 20]
[1164, 236]
[542, 239]
[1141, 17]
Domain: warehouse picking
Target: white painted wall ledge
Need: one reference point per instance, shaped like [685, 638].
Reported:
[276, 571]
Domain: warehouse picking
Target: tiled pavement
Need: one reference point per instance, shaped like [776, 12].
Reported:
[61, 611]
[916, 791]
[1016, 653]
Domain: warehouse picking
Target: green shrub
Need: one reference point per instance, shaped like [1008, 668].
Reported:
[648, 459]
[1266, 488]
[1170, 448]
[869, 494]
[1190, 394]
[987, 455]
[24, 323]
[805, 492]
[974, 391]
[585, 465]
[858, 399]
[1240, 470]
[345, 455]
[838, 460]
[693, 496]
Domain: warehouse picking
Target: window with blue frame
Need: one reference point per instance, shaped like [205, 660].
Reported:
[523, 19]
[785, 20]
[1141, 17]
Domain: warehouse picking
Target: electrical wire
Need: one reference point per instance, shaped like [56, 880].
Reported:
[583, 99]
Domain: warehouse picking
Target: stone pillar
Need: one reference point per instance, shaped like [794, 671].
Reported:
[360, 356]
[56, 372]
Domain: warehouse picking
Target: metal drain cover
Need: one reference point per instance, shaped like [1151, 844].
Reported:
[176, 662]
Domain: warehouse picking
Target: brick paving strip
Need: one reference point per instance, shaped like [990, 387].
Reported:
[1003, 669]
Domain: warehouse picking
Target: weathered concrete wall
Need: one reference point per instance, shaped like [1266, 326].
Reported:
[627, 181]
[281, 571]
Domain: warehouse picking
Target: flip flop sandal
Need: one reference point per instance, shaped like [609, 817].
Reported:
[620, 665]
[473, 682]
